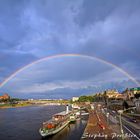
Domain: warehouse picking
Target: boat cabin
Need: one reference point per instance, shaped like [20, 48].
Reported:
[57, 119]
[61, 116]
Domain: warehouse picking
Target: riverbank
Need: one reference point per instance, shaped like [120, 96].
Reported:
[3, 106]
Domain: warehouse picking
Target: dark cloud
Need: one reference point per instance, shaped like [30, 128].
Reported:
[10, 25]
[10, 62]
[34, 29]
[93, 11]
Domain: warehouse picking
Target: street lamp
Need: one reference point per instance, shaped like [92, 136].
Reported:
[107, 115]
[120, 117]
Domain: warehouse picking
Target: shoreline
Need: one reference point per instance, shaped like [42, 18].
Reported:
[16, 106]
[24, 105]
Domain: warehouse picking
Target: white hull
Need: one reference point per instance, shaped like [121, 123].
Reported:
[82, 114]
[52, 132]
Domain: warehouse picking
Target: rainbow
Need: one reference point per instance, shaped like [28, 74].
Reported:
[69, 55]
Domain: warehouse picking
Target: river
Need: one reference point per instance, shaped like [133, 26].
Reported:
[24, 123]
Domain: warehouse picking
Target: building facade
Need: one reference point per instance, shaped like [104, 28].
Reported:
[135, 90]
[75, 99]
[137, 104]
[4, 97]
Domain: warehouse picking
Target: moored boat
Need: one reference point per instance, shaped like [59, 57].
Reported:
[56, 124]
[72, 117]
[84, 113]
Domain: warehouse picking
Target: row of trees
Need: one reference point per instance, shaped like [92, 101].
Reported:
[86, 99]
[93, 98]
[11, 100]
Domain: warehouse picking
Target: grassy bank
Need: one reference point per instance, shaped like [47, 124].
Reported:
[14, 105]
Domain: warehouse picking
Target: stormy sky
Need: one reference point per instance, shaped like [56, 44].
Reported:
[33, 29]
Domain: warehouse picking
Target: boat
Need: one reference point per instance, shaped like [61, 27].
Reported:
[72, 117]
[78, 113]
[84, 113]
[58, 122]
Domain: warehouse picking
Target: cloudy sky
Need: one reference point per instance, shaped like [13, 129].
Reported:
[33, 29]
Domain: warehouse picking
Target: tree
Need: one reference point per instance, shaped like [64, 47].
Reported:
[125, 105]
[137, 95]
[86, 99]
[105, 97]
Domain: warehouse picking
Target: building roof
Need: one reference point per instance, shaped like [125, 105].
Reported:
[62, 113]
[135, 89]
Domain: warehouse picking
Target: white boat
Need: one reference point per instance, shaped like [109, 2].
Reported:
[73, 117]
[46, 132]
[84, 113]
[56, 124]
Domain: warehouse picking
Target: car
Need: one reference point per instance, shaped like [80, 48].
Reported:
[113, 111]
[101, 125]
[133, 120]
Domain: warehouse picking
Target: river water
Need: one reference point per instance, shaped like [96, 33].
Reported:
[24, 123]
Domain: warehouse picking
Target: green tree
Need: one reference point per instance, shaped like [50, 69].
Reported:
[105, 97]
[137, 95]
[86, 99]
[125, 105]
